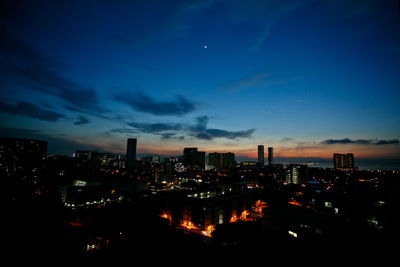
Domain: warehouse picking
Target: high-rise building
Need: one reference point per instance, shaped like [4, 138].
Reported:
[228, 160]
[222, 160]
[188, 156]
[192, 158]
[261, 155]
[270, 155]
[215, 160]
[343, 161]
[296, 174]
[131, 152]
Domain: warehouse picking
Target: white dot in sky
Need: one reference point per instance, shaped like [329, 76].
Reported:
[205, 46]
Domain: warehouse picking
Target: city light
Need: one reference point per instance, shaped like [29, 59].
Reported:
[217, 207]
[293, 234]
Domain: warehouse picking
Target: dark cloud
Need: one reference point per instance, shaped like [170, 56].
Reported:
[201, 123]
[165, 130]
[199, 130]
[31, 69]
[17, 50]
[140, 102]
[215, 133]
[29, 110]
[81, 120]
[387, 142]
[155, 127]
[360, 141]
[45, 80]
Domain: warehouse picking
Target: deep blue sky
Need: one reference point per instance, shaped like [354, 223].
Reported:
[309, 78]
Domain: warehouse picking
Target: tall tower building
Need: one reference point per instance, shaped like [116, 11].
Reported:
[270, 155]
[261, 155]
[131, 152]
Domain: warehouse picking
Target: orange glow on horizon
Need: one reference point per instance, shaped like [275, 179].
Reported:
[246, 150]
[324, 151]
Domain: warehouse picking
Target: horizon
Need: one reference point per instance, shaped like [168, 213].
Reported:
[364, 163]
[243, 157]
[309, 78]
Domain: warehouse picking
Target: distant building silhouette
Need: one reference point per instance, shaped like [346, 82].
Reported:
[152, 158]
[222, 160]
[343, 161]
[261, 155]
[131, 152]
[192, 158]
[87, 155]
[270, 155]
[101, 158]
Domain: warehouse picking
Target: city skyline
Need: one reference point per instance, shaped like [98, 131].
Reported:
[309, 79]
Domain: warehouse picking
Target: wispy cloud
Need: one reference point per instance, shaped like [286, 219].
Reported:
[265, 13]
[89, 112]
[259, 80]
[172, 22]
[124, 130]
[30, 110]
[140, 102]
[287, 139]
[81, 120]
[268, 13]
[170, 136]
[155, 127]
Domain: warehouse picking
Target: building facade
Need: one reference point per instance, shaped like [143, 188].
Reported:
[131, 152]
[296, 174]
[270, 155]
[194, 159]
[221, 160]
[343, 161]
[261, 155]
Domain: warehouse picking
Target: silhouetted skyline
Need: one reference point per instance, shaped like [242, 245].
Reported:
[309, 78]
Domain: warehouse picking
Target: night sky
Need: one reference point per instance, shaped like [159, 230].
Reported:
[309, 78]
